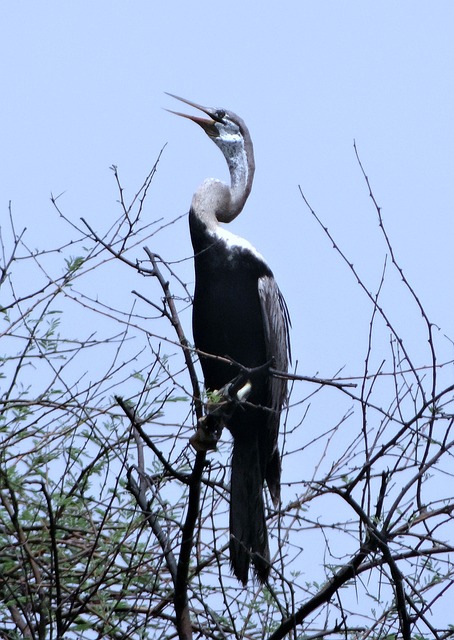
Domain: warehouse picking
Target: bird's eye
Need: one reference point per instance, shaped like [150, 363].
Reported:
[220, 115]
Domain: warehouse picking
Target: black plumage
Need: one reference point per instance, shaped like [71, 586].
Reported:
[239, 313]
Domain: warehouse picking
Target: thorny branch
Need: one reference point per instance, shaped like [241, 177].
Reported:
[188, 529]
[74, 553]
[181, 571]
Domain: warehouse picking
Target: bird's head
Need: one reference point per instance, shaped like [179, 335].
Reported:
[230, 134]
[225, 128]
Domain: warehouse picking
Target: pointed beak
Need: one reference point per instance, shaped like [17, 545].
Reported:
[208, 125]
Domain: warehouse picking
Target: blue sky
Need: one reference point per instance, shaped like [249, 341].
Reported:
[83, 88]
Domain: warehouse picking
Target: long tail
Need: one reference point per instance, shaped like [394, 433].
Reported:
[248, 533]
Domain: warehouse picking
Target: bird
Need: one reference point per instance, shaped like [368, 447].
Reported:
[239, 317]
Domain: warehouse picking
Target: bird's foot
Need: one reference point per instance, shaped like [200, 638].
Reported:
[209, 431]
[241, 386]
[221, 404]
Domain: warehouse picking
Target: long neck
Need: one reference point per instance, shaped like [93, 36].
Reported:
[214, 201]
[240, 160]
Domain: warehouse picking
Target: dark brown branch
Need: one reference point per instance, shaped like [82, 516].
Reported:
[23, 626]
[152, 519]
[116, 254]
[371, 297]
[379, 539]
[400, 270]
[327, 382]
[55, 561]
[395, 439]
[137, 424]
[175, 320]
[187, 543]
[325, 594]
[7, 262]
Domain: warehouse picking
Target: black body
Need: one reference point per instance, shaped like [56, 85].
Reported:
[228, 321]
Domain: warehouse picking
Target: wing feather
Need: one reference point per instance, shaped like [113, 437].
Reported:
[276, 324]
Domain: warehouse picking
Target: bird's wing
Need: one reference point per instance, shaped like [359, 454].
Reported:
[276, 323]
